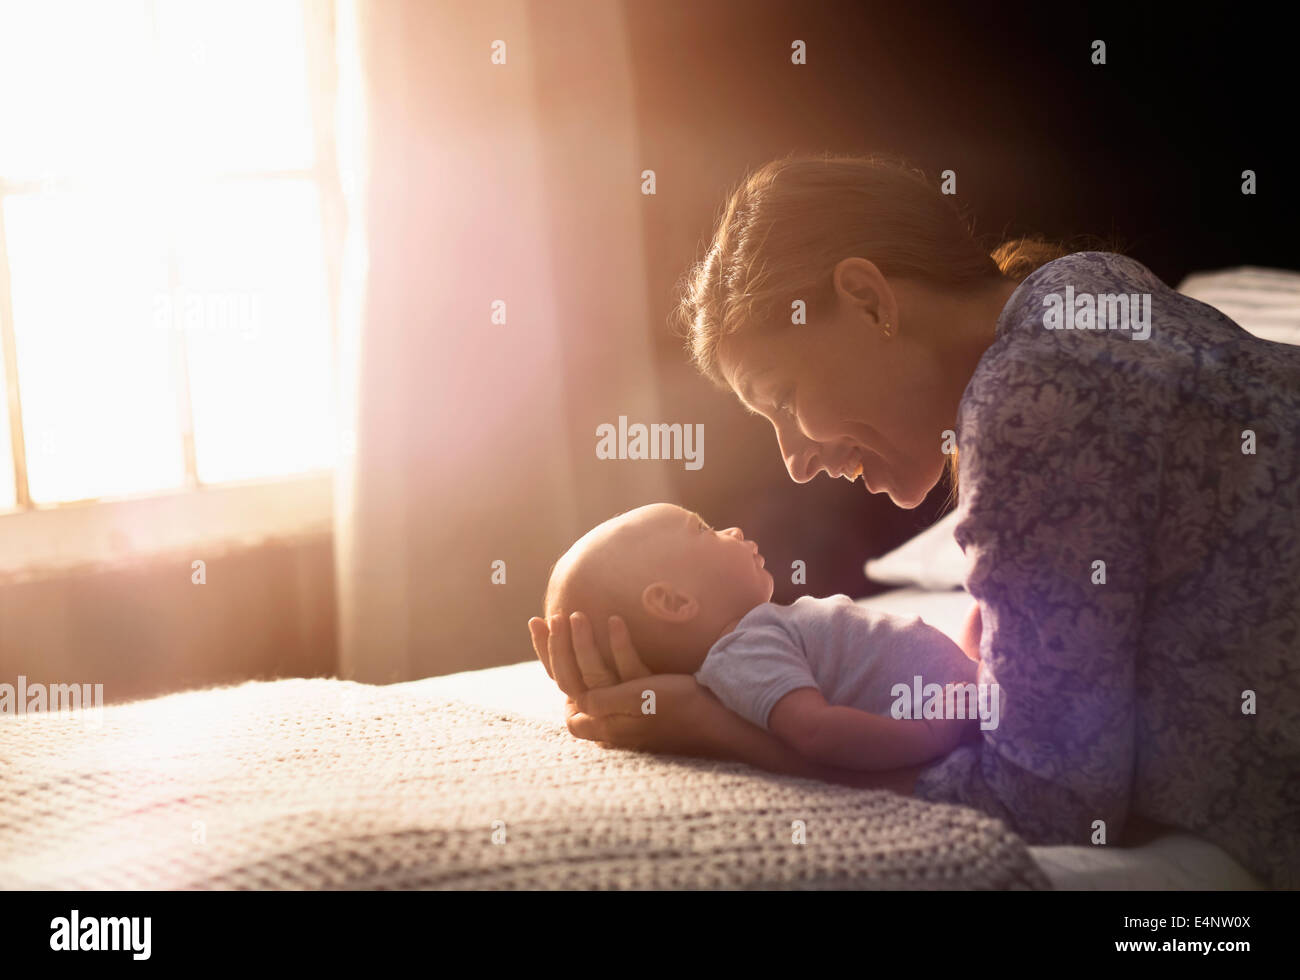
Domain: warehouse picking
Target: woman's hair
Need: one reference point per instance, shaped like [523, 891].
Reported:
[787, 225]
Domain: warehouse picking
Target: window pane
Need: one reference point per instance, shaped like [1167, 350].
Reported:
[237, 90]
[76, 86]
[95, 365]
[258, 331]
[89, 87]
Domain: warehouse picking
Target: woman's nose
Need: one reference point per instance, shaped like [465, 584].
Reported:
[799, 453]
[802, 463]
[802, 467]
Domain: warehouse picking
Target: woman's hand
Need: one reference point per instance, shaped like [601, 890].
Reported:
[622, 704]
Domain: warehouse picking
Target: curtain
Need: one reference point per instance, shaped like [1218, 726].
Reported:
[467, 459]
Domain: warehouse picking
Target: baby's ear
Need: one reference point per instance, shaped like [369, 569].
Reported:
[663, 601]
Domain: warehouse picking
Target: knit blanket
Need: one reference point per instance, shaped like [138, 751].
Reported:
[327, 784]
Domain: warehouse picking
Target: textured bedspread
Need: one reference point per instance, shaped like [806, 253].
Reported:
[331, 784]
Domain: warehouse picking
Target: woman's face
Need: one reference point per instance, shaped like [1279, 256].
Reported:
[841, 395]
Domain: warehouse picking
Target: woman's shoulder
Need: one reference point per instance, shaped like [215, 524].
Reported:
[1040, 393]
[1063, 281]
[1028, 349]
[1106, 321]
[1085, 319]
[1101, 267]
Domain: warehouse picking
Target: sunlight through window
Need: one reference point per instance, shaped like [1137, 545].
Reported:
[161, 230]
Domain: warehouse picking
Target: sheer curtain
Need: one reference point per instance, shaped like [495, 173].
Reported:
[468, 445]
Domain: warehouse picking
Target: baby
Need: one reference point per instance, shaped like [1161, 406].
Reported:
[820, 674]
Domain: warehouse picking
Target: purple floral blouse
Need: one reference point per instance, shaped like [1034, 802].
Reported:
[1130, 514]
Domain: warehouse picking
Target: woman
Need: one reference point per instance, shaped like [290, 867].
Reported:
[1129, 505]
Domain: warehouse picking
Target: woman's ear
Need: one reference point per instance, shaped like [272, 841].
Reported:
[864, 285]
[663, 601]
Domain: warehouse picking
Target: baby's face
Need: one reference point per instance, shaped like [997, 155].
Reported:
[720, 569]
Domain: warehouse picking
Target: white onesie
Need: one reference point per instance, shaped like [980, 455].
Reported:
[852, 654]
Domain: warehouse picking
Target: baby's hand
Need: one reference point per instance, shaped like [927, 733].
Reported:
[971, 631]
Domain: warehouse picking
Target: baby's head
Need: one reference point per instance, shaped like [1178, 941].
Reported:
[675, 581]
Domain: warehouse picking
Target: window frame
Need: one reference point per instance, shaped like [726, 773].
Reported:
[61, 534]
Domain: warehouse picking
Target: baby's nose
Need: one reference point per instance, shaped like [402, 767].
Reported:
[735, 532]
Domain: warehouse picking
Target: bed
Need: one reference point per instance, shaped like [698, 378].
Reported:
[461, 782]
[471, 781]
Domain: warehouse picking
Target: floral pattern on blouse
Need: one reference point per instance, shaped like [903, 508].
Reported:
[1170, 688]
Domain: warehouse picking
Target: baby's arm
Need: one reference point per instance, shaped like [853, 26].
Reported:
[842, 736]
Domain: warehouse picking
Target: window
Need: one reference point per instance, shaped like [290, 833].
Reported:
[169, 239]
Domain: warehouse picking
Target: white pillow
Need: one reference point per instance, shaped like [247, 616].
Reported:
[931, 560]
[1265, 302]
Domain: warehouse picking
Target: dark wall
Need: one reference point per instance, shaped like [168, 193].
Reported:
[1147, 149]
